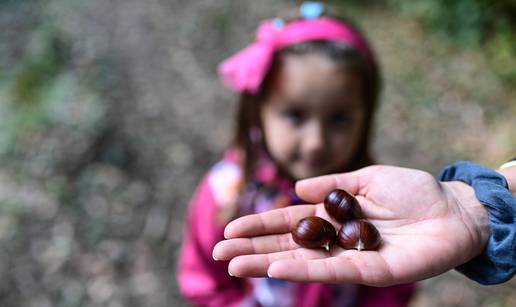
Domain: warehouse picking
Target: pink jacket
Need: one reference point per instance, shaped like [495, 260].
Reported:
[205, 282]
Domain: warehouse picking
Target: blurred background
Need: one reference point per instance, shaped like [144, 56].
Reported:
[111, 111]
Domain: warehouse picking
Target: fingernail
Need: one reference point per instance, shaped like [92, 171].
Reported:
[226, 233]
[269, 274]
[230, 274]
[214, 258]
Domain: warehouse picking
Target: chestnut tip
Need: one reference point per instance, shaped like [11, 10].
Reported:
[314, 232]
[360, 235]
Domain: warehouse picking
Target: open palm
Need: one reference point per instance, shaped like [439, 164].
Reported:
[427, 228]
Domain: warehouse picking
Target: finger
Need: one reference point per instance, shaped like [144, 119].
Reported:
[270, 222]
[319, 270]
[257, 265]
[354, 267]
[228, 249]
[314, 190]
[375, 212]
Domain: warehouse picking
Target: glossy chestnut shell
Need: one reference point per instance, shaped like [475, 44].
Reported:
[358, 234]
[342, 206]
[314, 232]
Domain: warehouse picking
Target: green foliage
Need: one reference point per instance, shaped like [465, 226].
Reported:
[40, 88]
[489, 25]
[484, 24]
[40, 69]
[501, 50]
[461, 20]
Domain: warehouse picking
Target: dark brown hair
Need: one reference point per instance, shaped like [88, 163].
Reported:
[248, 114]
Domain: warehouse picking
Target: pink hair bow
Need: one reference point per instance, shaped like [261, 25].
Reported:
[245, 71]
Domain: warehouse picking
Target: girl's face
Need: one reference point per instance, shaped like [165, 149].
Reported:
[313, 116]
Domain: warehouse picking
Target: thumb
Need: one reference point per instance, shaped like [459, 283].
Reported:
[314, 190]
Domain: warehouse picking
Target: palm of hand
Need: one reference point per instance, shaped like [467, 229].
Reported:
[412, 211]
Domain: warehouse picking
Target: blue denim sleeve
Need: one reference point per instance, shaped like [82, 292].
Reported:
[497, 263]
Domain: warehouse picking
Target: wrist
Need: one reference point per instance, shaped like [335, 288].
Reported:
[462, 201]
[510, 175]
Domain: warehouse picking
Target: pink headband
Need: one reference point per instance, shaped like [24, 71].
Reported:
[245, 71]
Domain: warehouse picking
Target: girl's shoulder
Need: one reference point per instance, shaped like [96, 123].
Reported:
[226, 180]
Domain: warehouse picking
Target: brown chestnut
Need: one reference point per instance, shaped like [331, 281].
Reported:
[358, 234]
[342, 206]
[314, 232]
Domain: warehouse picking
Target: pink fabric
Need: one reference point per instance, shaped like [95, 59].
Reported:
[246, 70]
[314, 294]
[395, 296]
[205, 282]
[202, 280]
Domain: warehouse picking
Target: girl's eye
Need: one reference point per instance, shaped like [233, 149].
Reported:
[340, 119]
[295, 116]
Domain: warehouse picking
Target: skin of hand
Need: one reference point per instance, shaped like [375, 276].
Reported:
[427, 228]
[510, 174]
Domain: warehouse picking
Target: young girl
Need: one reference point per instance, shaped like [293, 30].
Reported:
[308, 90]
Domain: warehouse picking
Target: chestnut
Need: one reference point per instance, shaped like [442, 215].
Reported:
[342, 206]
[314, 232]
[358, 234]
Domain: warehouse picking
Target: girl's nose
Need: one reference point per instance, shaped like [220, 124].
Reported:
[313, 138]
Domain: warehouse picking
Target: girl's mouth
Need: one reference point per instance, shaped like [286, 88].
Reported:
[314, 163]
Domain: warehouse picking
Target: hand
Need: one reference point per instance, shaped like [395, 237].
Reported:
[427, 228]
